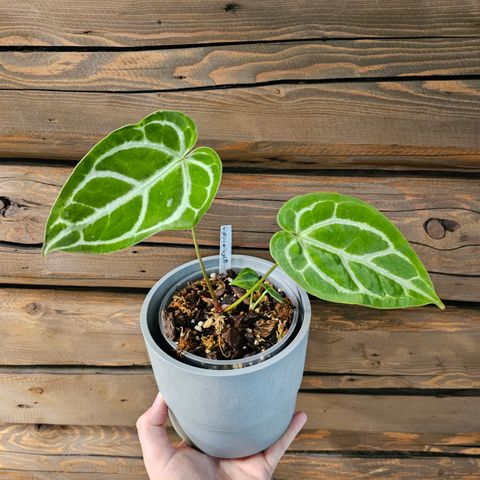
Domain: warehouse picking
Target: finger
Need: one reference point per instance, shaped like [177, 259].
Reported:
[153, 437]
[274, 453]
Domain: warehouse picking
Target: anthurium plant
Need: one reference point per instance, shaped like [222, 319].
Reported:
[149, 177]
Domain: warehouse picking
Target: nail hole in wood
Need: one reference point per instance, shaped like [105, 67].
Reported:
[37, 390]
[231, 7]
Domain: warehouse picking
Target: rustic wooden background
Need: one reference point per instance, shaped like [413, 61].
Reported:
[376, 99]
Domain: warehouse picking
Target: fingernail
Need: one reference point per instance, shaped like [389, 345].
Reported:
[304, 418]
[158, 400]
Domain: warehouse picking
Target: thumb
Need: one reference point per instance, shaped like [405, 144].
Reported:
[156, 447]
[274, 453]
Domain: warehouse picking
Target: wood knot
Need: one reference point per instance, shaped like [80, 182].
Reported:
[5, 204]
[32, 308]
[36, 390]
[231, 7]
[9, 207]
[23, 405]
[438, 227]
[41, 427]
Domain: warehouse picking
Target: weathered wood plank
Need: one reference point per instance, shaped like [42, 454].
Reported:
[48, 327]
[66, 464]
[121, 23]
[417, 205]
[291, 466]
[123, 441]
[64, 398]
[358, 341]
[318, 467]
[350, 441]
[341, 468]
[71, 440]
[143, 265]
[424, 125]
[23, 475]
[350, 347]
[352, 381]
[103, 397]
[172, 69]
[442, 228]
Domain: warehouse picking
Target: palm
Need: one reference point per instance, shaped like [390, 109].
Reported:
[186, 460]
[163, 461]
[255, 467]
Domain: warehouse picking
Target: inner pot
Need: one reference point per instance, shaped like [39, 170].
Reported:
[240, 262]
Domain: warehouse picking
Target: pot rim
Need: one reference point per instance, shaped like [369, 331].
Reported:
[304, 318]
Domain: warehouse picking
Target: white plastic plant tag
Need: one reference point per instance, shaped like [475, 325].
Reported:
[225, 257]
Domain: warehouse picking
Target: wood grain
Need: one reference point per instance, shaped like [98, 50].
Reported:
[309, 466]
[144, 264]
[39, 475]
[349, 347]
[121, 23]
[172, 69]
[389, 394]
[71, 440]
[339, 468]
[302, 467]
[251, 202]
[428, 125]
[48, 327]
[123, 441]
[427, 217]
[67, 464]
[117, 397]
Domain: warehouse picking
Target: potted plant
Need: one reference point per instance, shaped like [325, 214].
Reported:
[228, 350]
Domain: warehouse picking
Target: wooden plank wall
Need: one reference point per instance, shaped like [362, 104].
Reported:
[375, 99]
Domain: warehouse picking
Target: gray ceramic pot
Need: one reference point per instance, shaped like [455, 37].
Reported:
[228, 413]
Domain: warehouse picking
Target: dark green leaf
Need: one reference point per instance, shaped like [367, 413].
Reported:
[137, 181]
[246, 278]
[342, 249]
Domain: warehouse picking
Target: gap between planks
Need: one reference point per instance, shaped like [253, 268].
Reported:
[271, 83]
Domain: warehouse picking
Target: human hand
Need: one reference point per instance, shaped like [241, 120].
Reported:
[166, 462]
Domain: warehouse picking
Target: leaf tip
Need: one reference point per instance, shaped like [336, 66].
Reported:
[46, 249]
[440, 304]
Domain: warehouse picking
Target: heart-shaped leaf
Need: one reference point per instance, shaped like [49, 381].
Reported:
[342, 249]
[137, 181]
[246, 278]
